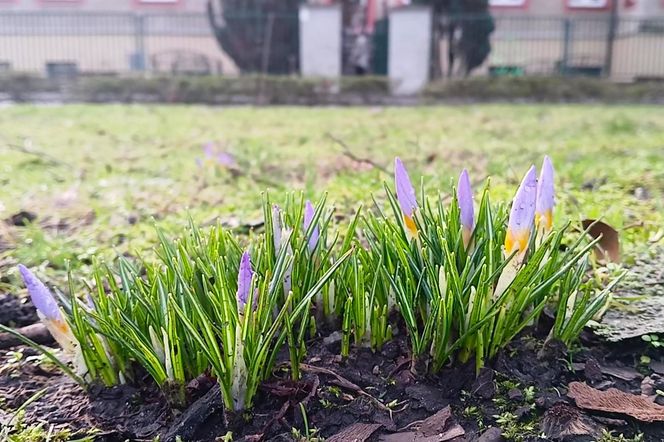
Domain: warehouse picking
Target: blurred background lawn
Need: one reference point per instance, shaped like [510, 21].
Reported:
[99, 177]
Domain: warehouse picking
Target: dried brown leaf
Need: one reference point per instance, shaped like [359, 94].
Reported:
[615, 401]
[608, 247]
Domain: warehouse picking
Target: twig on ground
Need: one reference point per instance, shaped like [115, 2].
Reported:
[28, 151]
[344, 383]
[345, 150]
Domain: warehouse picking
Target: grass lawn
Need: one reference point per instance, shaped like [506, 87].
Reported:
[99, 177]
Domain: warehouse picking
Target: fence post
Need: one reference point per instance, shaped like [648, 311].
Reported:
[138, 57]
[409, 48]
[567, 41]
[610, 37]
[320, 40]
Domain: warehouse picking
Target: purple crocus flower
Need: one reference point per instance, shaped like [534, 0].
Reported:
[40, 295]
[405, 195]
[226, 159]
[522, 214]
[308, 218]
[545, 196]
[244, 276]
[465, 200]
[208, 150]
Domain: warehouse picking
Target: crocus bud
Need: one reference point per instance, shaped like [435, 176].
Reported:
[40, 295]
[245, 274]
[545, 197]
[48, 309]
[466, 209]
[522, 215]
[405, 195]
[308, 218]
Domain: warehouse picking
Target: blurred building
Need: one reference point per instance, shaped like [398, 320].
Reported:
[67, 37]
[624, 38]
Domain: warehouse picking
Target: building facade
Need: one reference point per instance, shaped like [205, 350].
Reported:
[71, 37]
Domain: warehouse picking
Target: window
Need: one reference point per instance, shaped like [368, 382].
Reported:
[157, 3]
[58, 70]
[588, 4]
[508, 3]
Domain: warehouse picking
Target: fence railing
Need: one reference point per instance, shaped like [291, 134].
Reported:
[625, 49]
[66, 44]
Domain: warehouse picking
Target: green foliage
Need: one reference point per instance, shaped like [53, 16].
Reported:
[178, 317]
[445, 292]
[178, 314]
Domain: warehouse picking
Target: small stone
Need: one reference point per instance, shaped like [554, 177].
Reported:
[647, 386]
[515, 394]
[376, 370]
[493, 434]
[642, 194]
[592, 371]
[657, 367]
[484, 386]
[332, 338]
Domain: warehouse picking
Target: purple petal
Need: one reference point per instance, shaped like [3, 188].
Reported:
[522, 214]
[465, 199]
[40, 295]
[308, 218]
[245, 274]
[405, 190]
[208, 149]
[545, 187]
[226, 159]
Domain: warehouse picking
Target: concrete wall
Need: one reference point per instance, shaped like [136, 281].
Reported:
[320, 40]
[409, 53]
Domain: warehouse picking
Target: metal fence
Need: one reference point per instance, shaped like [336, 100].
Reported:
[66, 43]
[623, 49]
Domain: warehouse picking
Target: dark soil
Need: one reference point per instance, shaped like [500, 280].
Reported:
[521, 394]
[16, 312]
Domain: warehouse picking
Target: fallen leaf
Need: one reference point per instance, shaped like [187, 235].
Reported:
[624, 373]
[562, 421]
[358, 432]
[439, 427]
[608, 247]
[615, 401]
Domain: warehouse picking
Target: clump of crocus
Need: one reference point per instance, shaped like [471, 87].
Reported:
[405, 195]
[309, 213]
[545, 198]
[466, 208]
